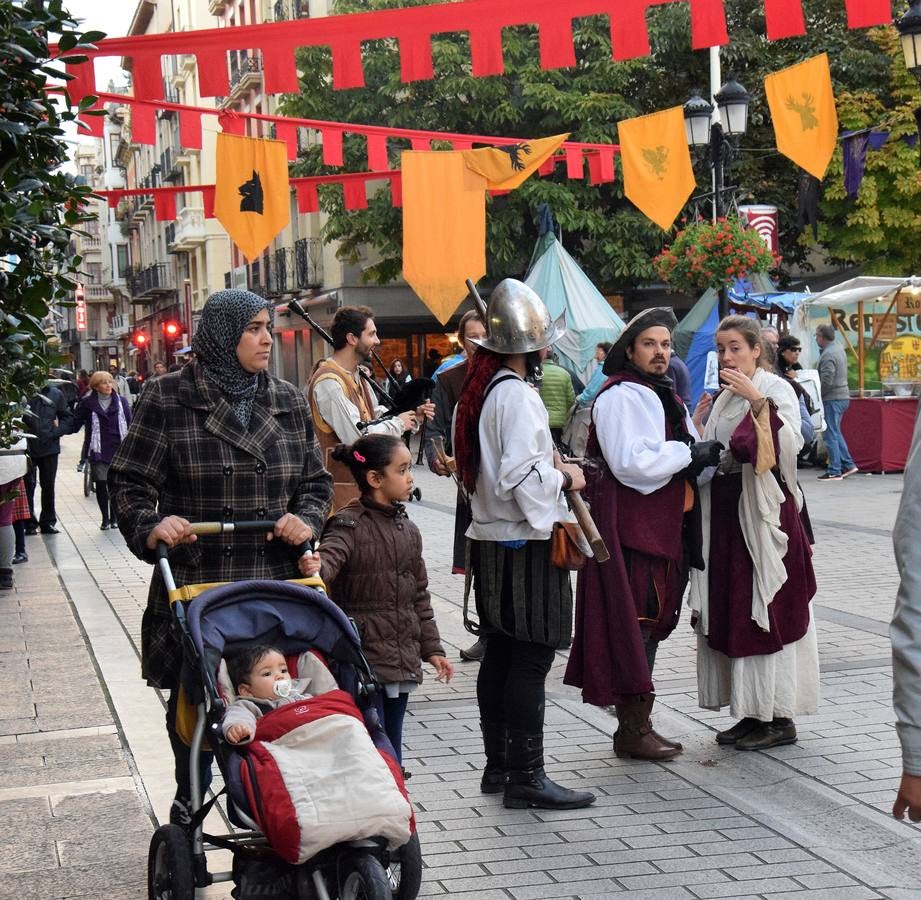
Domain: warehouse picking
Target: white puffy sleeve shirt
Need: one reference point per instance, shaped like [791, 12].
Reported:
[630, 427]
[518, 491]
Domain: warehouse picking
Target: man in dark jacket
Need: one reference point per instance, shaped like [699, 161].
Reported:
[835, 399]
[48, 418]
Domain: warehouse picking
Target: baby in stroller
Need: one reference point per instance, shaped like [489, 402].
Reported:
[259, 676]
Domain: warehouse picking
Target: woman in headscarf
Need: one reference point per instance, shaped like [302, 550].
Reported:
[106, 416]
[756, 639]
[222, 439]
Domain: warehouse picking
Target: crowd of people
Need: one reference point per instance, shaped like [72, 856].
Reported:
[701, 502]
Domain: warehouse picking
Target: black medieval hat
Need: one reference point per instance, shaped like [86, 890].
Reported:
[648, 318]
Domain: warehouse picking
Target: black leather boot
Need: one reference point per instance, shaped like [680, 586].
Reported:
[528, 784]
[496, 772]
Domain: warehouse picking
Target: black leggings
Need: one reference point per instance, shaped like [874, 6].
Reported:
[102, 498]
[510, 686]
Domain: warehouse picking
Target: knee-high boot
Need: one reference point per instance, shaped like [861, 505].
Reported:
[494, 744]
[528, 784]
[635, 737]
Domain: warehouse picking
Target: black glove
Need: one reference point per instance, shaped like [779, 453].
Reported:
[703, 455]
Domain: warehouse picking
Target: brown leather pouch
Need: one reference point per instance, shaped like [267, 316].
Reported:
[565, 549]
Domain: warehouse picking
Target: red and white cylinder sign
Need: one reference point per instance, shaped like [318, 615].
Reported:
[764, 220]
[80, 311]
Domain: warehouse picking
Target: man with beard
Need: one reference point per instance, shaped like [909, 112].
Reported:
[340, 399]
[643, 493]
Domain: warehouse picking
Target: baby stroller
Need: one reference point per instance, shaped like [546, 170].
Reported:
[294, 616]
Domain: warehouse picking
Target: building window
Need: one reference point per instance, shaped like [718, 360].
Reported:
[122, 260]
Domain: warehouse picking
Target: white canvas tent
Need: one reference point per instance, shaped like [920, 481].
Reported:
[564, 287]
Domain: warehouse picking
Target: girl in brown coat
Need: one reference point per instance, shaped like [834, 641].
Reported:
[371, 560]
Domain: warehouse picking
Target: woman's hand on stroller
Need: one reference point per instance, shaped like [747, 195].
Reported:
[172, 530]
[443, 669]
[292, 530]
[239, 734]
[309, 564]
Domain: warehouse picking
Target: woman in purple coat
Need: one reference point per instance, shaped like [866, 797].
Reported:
[106, 416]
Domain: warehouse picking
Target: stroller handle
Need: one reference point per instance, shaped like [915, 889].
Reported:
[258, 526]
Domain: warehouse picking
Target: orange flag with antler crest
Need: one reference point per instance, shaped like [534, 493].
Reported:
[802, 104]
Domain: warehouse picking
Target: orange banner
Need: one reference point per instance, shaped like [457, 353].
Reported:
[252, 199]
[507, 167]
[802, 104]
[658, 177]
[444, 228]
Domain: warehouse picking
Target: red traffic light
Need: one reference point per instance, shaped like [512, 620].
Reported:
[171, 329]
[139, 340]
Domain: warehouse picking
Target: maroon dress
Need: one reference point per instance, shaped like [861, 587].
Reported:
[732, 630]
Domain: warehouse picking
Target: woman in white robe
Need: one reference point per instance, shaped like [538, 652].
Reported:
[756, 643]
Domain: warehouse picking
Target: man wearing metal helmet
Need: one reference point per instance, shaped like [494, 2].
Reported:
[643, 494]
[506, 461]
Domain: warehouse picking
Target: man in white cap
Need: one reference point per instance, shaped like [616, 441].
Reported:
[643, 494]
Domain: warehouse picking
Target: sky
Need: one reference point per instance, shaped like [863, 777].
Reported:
[112, 18]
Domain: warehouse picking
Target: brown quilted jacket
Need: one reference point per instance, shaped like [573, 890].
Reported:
[371, 561]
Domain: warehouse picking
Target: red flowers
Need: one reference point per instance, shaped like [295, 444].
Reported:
[712, 254]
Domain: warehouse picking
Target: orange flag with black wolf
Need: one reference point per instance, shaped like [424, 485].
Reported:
[658, 177]
[802, 104]
[251, 195]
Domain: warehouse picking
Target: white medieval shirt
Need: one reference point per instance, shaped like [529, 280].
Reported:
[518, 495]
[630, 427]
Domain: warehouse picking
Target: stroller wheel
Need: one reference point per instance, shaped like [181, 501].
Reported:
[362, 877]
[405, 870]
[170, 874]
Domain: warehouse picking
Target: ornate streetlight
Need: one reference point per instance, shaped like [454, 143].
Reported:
[721, 137]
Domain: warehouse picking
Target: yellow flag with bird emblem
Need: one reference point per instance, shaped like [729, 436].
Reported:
[802, 104]
[251, 194]
[658, 177]
[505, 168]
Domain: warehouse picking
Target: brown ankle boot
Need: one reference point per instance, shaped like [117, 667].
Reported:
[635, 738]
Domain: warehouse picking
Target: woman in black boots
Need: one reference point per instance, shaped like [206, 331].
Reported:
[106, 416]
[507, 464]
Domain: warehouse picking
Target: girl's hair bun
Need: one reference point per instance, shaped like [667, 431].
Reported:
[340, 452]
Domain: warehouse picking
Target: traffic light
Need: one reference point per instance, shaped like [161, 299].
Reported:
[140, 340]
[171, 330]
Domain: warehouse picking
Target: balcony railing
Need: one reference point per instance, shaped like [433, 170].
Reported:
[245, 71]
[290, 9]
[149, 282]
[189, 230]
[97, 293]
[308, 263]
[119, 325]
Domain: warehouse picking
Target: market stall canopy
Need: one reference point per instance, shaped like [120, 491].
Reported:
[564, 287]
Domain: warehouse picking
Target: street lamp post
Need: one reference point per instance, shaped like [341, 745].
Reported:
[909, 28]
[720, 136]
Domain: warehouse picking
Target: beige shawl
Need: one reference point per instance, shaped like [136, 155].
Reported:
[759, 505]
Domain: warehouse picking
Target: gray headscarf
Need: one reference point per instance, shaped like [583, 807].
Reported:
[223, 320]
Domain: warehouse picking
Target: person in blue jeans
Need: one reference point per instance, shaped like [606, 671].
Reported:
[835, 399]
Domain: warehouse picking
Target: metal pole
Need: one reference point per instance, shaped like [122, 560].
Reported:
[718, 162]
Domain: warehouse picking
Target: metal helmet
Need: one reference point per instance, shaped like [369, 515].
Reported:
[517, 320]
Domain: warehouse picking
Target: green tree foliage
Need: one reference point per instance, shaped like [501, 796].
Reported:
[612, 241]
[879, 230]
[38, 202]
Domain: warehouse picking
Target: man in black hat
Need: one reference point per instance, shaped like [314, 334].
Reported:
[643, 493]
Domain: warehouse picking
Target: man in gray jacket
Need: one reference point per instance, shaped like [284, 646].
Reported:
[835, 399]
[906, 635]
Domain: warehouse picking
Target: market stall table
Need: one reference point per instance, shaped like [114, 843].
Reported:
[878, 431]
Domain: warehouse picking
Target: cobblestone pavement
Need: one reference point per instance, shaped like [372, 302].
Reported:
[86, 766]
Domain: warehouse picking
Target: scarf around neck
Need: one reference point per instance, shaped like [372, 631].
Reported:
[223, 320]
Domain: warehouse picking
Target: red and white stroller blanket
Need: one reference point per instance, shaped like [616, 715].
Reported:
[313, 777]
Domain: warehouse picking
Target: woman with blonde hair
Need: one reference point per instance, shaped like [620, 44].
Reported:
[106, 416]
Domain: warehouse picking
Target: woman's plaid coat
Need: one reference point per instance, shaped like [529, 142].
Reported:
[187, 454]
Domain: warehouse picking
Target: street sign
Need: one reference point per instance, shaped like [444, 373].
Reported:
[80, 312]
